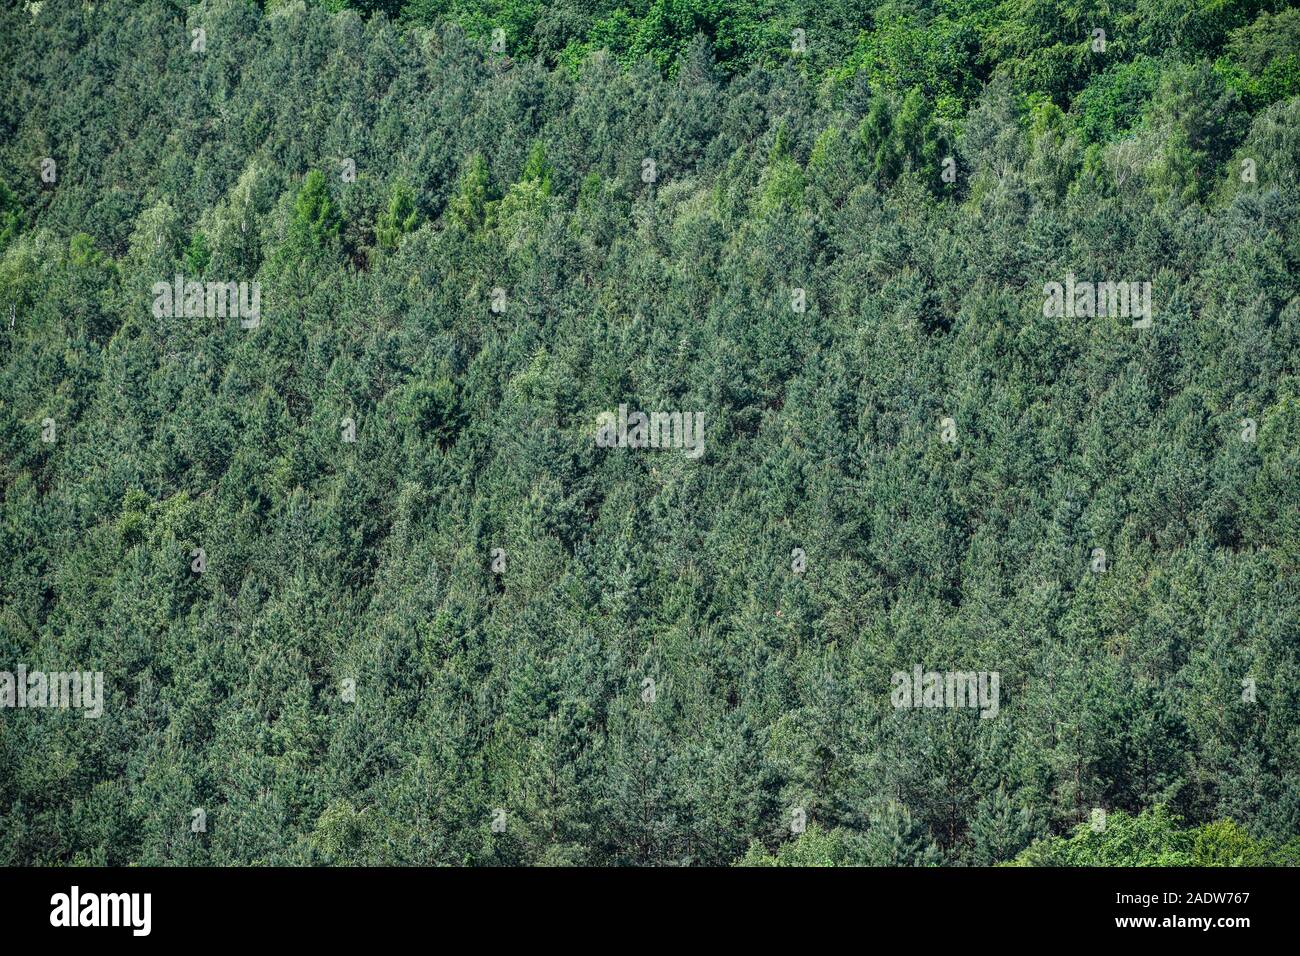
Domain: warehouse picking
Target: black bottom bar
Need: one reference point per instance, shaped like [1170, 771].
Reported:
[335, 906]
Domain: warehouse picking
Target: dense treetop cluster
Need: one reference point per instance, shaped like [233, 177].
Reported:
[644, 677]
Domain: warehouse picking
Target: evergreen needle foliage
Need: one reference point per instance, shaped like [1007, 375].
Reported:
[435, 622]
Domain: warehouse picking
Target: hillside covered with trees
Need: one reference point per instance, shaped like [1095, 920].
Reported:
[366, 587]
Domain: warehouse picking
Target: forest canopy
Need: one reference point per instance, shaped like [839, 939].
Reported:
[313, 317]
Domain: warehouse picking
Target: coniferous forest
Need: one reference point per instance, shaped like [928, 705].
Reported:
[650, 432]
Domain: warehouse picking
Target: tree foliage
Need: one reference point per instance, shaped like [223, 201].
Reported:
[431, 603]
